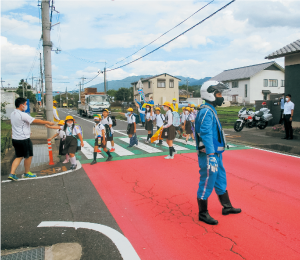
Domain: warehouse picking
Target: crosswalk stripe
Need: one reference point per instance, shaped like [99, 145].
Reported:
[119, 149]
[177, 147]
[88, 150]
[183, 141]
[144, 147]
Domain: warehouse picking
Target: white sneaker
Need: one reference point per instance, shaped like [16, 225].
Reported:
[185, 142]
[169, 157]
[147, 142]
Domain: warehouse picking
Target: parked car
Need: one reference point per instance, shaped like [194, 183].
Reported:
[185, 103]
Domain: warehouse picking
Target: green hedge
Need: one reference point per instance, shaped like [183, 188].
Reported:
[5, 137]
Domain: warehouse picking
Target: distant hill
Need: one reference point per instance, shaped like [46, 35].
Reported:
[126, 83]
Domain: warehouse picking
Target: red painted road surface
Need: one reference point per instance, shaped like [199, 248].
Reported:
[154, 202]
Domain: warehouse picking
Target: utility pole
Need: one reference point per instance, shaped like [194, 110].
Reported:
[23, 88]
[2, 82]
[47, 48]
[83, 78]
[187, 89]
[60, 99]
[105, 79]
[41, 71]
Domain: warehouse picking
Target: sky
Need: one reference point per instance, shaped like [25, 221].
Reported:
[91, 33]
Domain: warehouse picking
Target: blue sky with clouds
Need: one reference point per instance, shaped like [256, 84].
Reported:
[241, 35]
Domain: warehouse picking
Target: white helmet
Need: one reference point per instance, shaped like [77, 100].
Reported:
[209, 88]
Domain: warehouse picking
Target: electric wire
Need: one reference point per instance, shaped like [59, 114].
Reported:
[163, 33]
[223, 7]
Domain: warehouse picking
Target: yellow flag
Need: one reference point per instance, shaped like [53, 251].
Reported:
[157, 135]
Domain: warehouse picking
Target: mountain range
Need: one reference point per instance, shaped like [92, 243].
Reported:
[126, 83]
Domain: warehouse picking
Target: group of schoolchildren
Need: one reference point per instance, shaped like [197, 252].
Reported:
[149, 114]
[71, 137]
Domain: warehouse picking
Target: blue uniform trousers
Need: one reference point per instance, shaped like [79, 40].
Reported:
[209, 179]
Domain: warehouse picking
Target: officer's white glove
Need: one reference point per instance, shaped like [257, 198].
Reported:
[212, 163]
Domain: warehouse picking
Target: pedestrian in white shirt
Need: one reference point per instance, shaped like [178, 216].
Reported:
[131, 128]
[160, 118]
[288, 113]
[20, 123]
[107, 122]
[150, 116]
[169, 131]
[72, 134]
[188, 124]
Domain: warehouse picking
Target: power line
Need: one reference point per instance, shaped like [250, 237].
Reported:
[85, 60]
[163, 34]
[34, 59]
[174, 37]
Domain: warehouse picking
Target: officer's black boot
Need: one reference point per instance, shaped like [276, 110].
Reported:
[143, 124]
[203, 213]
[227, 207]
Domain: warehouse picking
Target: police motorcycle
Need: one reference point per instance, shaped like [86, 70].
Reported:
[251, 119]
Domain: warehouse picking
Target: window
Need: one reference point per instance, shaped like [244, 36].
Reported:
[161, 83]
[149, 84]
[246, 90]
[282, 83]
[171, 83]
[273, 82]
[265, 82]
[235, 84]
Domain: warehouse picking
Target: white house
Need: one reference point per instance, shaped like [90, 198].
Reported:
[255, 82]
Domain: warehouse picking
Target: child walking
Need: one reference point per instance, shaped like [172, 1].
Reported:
[72, 133]
[188, 124]
[61, 133]
[107, 122]
[169, 130]
[131, 128]
[160, 118]
[149, 119]
[99, 132]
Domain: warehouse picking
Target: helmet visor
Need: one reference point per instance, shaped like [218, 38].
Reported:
[220, 87]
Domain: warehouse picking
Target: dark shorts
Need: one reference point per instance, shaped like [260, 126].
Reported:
[169, 133]
[102, 145]
[70, 145]
[109, 138]
[23, 148]
[188, 127]
[149, 125]
[130, 129]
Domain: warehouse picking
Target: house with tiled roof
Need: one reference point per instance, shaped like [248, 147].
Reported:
[251, 83]
[291, 54]
[163, 87]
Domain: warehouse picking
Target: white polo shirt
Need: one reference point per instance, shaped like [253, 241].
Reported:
[69, 131]
[160, 118]
[130, 118]
[20, 122]
[288, 107]
[107, 121]
[97, 129]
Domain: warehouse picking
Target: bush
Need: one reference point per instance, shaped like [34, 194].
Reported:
[5, 137]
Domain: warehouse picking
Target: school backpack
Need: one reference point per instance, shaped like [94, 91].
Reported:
[176, 119]
[114, 121]
[137, 118]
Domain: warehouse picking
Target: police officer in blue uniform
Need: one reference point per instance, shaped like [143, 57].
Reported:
[142, 116]
[210, 143]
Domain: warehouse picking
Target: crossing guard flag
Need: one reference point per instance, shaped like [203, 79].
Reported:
[157, 135]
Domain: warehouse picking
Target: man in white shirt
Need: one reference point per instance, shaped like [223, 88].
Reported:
[20, 123]
[288, 113]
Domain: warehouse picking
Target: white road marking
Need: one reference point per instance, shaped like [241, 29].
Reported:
[177, 147]
[119, 149]
[144, 147]
[183, 141]
[49, 176]
[273, 152]
[122, 243]
[88, 151]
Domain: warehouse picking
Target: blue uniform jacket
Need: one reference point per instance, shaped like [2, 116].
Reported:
[142, 116]
[206, 125]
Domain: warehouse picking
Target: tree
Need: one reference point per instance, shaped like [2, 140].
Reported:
[111, 94]
[123, 94]
[28, 94]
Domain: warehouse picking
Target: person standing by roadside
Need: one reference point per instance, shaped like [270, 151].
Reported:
[20, 123]
[142, 116]
[281, 103]
[174, 105]
[55, 114]
[288, 113]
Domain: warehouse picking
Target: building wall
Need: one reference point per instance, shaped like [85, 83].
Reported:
[292, 59]
[292, 83]
[160, 95]
[257, 84]
[240, 91]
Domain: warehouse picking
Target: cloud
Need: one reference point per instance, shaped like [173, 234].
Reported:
[16, 59]
[12, 5]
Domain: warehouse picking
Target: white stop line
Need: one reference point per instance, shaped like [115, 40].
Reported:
[122, 243]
